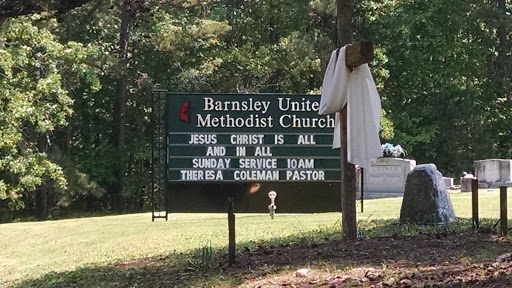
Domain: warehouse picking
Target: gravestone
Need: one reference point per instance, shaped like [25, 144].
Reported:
[448, 182]
[387, 175]
[492, 173]
[426, 199]
[465, 182]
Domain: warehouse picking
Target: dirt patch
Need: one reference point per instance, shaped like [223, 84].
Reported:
[461, 260]
[441, 260]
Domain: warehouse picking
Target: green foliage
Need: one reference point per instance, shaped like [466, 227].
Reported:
[438, 58]
[230, 46]
[34, 102]
[203, 260]
[81, 193]
[444, 81]
[387, 130]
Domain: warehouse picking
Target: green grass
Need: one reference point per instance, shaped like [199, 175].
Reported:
[33, 249]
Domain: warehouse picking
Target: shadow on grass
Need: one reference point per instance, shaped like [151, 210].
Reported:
[389, 250]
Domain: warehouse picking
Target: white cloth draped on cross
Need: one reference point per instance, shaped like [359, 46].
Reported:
[356, 89]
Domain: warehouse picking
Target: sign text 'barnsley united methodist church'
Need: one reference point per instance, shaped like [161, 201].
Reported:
[249, 137]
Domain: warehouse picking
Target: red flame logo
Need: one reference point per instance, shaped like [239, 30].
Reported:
[184, 112]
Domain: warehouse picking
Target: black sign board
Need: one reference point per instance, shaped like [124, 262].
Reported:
[249, 137]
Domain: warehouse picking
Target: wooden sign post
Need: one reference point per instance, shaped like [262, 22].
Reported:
[356, 54]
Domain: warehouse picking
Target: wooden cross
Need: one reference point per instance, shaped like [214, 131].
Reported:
[356, 54]
[359, 53]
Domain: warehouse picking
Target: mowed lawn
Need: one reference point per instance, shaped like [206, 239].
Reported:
[30, 250]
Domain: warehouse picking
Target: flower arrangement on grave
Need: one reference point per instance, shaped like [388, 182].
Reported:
[390, 150]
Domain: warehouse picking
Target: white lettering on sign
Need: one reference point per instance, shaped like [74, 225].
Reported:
[202, 139]
[300, 163]
[258, 163]
[286, 104]
[216, 151]
[278, 139]
[256, 175]
[306, 139]
[305, 175]
[195, 175]
[253, 121]
[262, 151]
[244, 139]
[234, 105]
[292, 121]
[210, 163]
[240, 151]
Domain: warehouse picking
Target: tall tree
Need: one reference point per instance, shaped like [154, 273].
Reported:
[34, 102]
[128, 12]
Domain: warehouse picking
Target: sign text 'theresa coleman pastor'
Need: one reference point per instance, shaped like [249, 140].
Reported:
[249, 137]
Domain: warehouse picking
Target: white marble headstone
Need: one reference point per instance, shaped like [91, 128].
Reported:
[494, 172]
[448, 182]
[388, 175]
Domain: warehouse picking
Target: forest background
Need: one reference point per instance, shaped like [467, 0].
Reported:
[76, 80]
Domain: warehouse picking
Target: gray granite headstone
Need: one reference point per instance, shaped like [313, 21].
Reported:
[426, 199]
[465, 184]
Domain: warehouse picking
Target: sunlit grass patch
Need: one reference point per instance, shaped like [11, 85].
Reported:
[71, 249]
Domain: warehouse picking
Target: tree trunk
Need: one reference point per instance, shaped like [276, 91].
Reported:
[127, 14]
[69, 137]
[42, 202]
[503, 64]
[69, 125]
[348, 170]
[42, 190]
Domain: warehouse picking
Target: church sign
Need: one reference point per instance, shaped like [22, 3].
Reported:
[249, 138]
